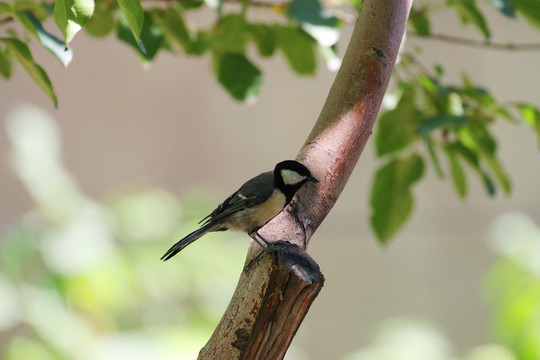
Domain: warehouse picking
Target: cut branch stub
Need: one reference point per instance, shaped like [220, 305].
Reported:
[278, 287]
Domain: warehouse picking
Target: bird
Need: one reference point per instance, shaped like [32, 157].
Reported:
[253, 205]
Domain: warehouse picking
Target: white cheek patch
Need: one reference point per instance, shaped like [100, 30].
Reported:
[291, 177]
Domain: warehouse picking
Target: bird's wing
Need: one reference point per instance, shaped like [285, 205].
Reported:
[252, 193]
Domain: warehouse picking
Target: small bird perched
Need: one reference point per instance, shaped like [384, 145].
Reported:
[253, 205]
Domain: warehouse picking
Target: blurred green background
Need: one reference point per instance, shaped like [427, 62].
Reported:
[79, 278]
[92, 196]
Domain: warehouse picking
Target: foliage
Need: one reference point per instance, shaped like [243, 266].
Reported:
[447, 126]
[109, 299]
[512, 288]
[81, 279]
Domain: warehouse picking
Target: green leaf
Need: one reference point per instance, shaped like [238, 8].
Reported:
[151, 35]
[431, 123]
[9, 9]
[476, 136]
[102, 22]
[52, 43]
[391, 197]
[174, 28]
[530, 9]
[320, 23]
[428, 84]
[201, 43]
[469, 12]
[433, 156]
[298, 49]
[5, 65]
[238, 75]
[71, 16]
[5, 8]
[531, 116]
[473, 160]
[456, 170]
[420, 21]
[39, 10]
[22, 53]
[134, 14]
[506, 7]
[230, 34]
[397, 128]
[478, 139]
[311, 12]
[264, 38]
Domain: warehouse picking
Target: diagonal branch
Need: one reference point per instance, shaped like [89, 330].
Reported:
[270, 300]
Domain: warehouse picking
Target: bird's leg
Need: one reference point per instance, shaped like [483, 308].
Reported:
[254, 237]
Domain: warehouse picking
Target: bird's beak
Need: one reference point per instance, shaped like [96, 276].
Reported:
[312, 179]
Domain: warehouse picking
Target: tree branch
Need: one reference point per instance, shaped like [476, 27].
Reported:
[478, 43]
[270, 300]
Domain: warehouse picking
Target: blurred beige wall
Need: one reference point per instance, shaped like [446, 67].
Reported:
[172, 126]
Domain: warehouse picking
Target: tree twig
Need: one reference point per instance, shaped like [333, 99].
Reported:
[478, 43]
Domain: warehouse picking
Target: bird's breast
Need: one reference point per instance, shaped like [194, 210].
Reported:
[260, 214]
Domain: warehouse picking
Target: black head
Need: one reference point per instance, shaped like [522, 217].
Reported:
[290, 175]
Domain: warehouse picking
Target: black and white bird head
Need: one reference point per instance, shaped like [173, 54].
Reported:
[290, 176]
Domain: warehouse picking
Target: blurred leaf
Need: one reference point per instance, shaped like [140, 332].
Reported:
[506, 7]
[146, 215]
[311, 12]
[320, 23]
[391, 198]
[333, 62]
[52, 43]
[10, 10]
[230, 34]
[477, 138]
[134, 14]
[472, 159]
[431, 123]
[102, 22]
[5, 64]
[5, 8]
[530, 10]
[174, 28]
[428, 84]
[239, 76]
[433, 156]
[397, 128]
[151, 36]
[531, 116]
[21, 52]
[71, 16]
[469, 12]
[298, 49]
[191, 4]
[21, 347]
[39, 10]
[515, 296]
[215, 5]
[264, 38]
[420, 21]
[456, 170]
[17, 250]
[201, 43]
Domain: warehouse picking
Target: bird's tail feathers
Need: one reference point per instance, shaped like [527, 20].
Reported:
[180, 245]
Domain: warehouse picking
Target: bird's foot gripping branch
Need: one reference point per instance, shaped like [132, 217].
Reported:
[294, 258]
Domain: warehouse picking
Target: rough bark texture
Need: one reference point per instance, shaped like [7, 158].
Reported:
[277, 288]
